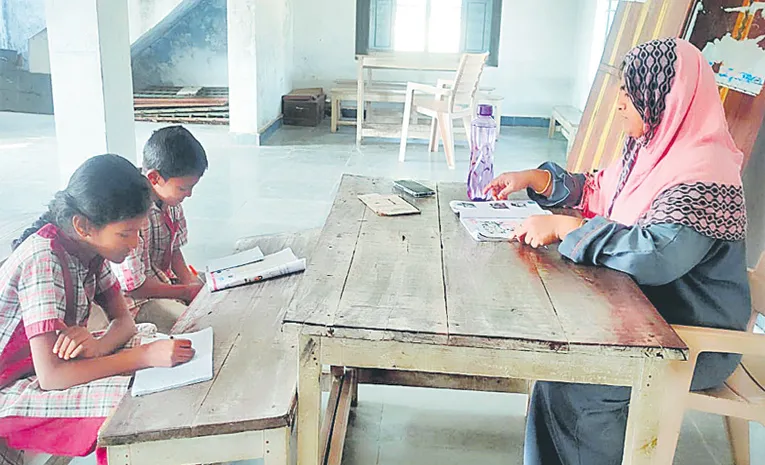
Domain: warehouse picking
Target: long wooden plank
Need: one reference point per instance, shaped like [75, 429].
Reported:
[262, 357]
[317, 299]
[442, 381]
[493, 292]
[602, 307]
[395, 282]
[237, 399]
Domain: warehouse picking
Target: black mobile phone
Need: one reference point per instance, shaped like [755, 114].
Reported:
[415, 189]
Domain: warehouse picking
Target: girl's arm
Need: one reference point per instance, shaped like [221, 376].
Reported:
[54, 373]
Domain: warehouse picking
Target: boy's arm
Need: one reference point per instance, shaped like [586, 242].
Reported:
[181, 269]
[153, 288]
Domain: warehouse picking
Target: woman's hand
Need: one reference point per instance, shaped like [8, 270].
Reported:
[507, 183]
[168, 352]
[541, 230]
[76, 341]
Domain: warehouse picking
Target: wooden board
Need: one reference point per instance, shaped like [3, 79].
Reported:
[599, 138]
[254, 366]
[492, 289]
[423, 279]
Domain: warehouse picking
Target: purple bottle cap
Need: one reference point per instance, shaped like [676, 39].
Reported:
[485, 110]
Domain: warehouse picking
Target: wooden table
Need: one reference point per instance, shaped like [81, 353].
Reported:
[417, 293]
[400, 61]
[246, 411]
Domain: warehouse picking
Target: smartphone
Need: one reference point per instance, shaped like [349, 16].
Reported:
[415, 189]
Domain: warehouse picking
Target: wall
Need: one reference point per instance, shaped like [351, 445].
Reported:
[591, 40]
[187, 48]
[537, 61]
[275, 52]
[19, 21]
[39, 55]
[145, 14]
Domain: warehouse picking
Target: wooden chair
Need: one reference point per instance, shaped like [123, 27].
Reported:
[446, 105]
[742, 398]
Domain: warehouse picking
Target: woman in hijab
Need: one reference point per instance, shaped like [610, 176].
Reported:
[670, 213]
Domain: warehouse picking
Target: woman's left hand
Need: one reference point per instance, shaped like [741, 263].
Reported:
[538, 231]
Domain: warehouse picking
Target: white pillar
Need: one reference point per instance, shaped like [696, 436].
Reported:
[92, 80]
[242, 68]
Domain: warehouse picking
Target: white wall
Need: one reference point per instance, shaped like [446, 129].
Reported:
[275, 52]
[539, 47]
[592, 21]
[145, 14]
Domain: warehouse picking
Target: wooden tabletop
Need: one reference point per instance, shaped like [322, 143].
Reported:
[254, 366]
[422, 278]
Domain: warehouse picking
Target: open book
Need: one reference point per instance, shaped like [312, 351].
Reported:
[196, 370]
[238, 259]
[272, 266]
[494, 220]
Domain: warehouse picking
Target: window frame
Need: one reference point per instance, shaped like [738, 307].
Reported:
[364, 30]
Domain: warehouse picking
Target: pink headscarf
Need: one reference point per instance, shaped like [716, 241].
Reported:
[686, 169]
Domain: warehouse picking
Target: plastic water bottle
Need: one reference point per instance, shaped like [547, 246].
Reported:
[483, 135]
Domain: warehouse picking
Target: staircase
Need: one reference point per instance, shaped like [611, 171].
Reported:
[22, 91]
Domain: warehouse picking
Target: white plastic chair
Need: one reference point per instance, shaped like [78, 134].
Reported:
[446, 104]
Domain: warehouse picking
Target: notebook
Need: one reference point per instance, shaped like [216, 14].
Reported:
[272, 266]
[196, 370]
[238, 259]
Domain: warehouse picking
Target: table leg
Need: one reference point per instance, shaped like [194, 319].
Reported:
[652, 386]
[119, 455]
[309, 400]
[360, 101]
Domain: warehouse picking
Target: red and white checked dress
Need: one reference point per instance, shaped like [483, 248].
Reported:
[42, 287]
[161, 236]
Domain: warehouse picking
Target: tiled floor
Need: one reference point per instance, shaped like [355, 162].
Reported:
[289, 185]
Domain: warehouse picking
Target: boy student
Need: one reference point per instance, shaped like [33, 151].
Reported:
[155, 278]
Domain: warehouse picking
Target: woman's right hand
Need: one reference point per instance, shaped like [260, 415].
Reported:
[507, 183]
[168, 352]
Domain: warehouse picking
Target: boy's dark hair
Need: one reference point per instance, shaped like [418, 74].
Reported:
[105, 189]
[175, 153]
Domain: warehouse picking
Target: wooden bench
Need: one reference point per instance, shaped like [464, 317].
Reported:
[247, 410]
[568, 117]
[389, 92]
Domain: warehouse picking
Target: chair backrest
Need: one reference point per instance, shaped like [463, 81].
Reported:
[757, 288]
[467, 79]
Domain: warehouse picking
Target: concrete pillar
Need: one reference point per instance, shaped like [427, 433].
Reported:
[242, 68]
[92, 80]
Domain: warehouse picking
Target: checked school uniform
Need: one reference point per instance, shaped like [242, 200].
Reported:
[163, 234]
[44, 286]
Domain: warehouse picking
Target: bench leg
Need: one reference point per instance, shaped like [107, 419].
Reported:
[335, 110]
[276, 447]
[551, 133]
[309, 400]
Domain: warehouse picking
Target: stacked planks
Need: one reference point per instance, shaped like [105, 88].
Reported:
[191, 105]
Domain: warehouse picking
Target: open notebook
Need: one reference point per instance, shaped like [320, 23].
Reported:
[196, 370]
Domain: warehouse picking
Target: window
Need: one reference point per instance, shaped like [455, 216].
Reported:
[611, 6]
[429, 26]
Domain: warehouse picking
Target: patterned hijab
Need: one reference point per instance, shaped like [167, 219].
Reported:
[685, 169]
